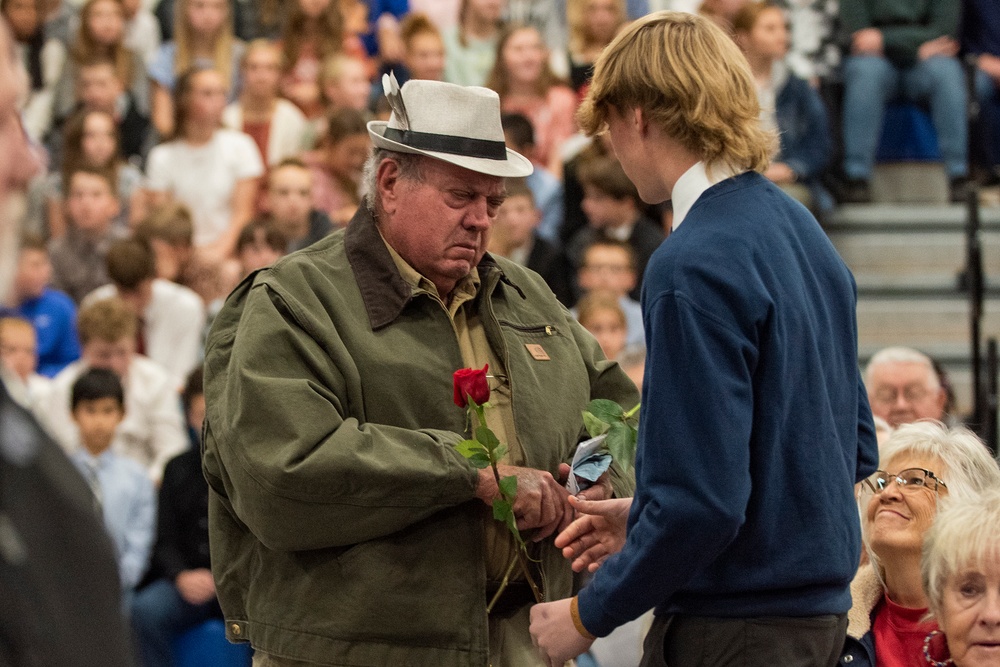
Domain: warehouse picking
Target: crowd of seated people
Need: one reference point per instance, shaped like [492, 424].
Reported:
[190, 143]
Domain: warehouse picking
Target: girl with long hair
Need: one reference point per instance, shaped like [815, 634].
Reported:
[527, 85]
[90, 140]
[314, 32]
[101, 36]
[592, 26]
[203, 37]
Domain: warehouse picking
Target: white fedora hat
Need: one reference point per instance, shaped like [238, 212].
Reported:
[445, 121]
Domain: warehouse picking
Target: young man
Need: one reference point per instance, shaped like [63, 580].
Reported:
[289, 203]
[611, 205]
[52, 312]
[169, 231]
[171, 316]
[515, 236]
[123, 493]
[78, 259]
[751, 388]
[152, 431]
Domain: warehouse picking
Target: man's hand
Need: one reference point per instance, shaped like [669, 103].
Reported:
[867, 42]
[598, 532]
[990, 64]
[554, 634]
[939, 46]
[195, 586]
[540, 502]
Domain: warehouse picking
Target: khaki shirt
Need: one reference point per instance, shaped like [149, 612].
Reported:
[500, 546]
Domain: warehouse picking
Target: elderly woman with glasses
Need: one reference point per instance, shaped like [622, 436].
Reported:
[923, 468]
[961, 574]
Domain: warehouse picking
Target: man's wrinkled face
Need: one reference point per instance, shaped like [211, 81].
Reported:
[440, 224]
[903, 392]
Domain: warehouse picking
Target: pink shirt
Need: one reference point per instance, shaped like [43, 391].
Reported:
[552, 119]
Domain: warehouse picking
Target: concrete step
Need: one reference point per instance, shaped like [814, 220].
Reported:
[908, 182]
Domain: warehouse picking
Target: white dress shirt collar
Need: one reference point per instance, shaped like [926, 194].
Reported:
[692, 184]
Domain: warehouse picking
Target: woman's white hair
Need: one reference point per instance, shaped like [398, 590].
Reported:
[965, 534]
[969, 468]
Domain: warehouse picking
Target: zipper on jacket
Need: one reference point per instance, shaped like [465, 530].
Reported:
[547, 329]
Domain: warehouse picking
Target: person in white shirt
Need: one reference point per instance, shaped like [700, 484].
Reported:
[213, 171]
[142, 30]
[171, 316]
[152, 431]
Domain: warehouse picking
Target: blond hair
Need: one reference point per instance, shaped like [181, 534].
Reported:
[225, 41]
[108, 320]
[691, 81]
[964, 535]
[580, 39]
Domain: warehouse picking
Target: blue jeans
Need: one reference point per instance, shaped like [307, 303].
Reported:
[159, 615]
[872, 81]
[988, 94]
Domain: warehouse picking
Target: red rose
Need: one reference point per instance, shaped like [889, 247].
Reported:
[471, 382]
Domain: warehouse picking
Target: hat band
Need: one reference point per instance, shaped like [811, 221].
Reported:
[443, 143]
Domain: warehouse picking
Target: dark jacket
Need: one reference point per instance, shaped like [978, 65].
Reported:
[343, 521]
[805, 130]
[551, 264]
[182, 518]
[60, 596]
[905, 24]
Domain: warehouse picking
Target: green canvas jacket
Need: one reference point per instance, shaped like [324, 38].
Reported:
[344, 527]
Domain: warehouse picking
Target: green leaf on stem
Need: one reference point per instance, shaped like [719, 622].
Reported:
[499, 453]
[621, 443]
[502, 510]
[607, 411]
[508, 487]
[488, 439]
[469, 447]
[594, 426]
[480, 460]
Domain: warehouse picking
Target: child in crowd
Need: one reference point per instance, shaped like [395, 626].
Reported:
[92, 205]
[123, 493]
[313, 32]
[169, 231]
[601, 315]
[90, 140]
[515, 237]
[204, 38]
[182, 591]
[592, 26]
[545, 187]
[211, 169]
[423, 48]
[19, 355]
[723, 12]
[289, 205]
[275, 124]
[788, 104]
[152, 431]
[142, 30]
[470, 45]
[51, 312]
[609, 267]
[101, 34]
[43, 57]
[526, 84]
[611, 205]
[99, 88]
[260, 245]
[344, 83]
[337, 165]
[170, 316]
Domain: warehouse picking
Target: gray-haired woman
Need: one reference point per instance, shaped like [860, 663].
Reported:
[961, 574]
[924, 467]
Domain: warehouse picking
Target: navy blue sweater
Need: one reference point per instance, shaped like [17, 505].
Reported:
[755, 424]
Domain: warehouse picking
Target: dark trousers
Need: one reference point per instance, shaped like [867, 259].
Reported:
[698, 641]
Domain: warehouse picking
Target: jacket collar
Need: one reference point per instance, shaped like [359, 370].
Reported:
[385, 292]
[866, 591]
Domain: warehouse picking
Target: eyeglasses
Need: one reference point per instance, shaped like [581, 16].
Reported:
[888, 395]
[909, 480]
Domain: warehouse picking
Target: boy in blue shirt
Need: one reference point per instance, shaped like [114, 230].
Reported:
[123, 492]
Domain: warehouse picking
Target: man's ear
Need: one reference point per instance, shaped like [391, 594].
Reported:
[640, 121]
[941, 400]
[386, 183]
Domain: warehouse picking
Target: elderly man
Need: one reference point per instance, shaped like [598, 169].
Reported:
[59, 587]
[743, 533]
[346, 529]
[904, 387]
